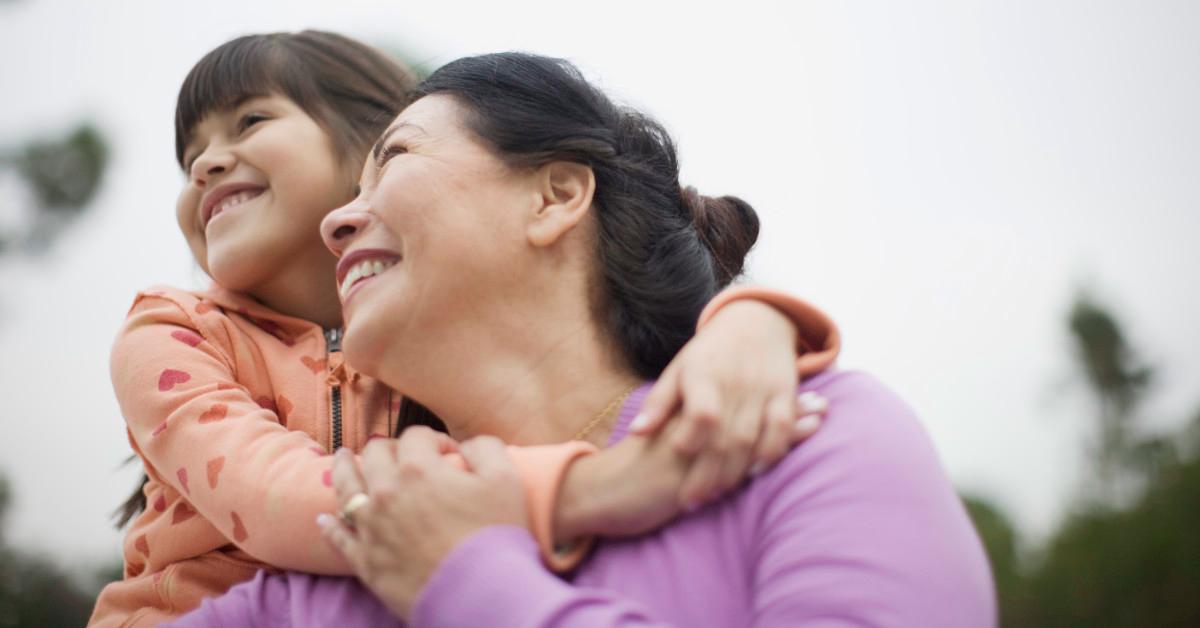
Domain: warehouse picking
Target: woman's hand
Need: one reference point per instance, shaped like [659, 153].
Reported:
[419, 507]
[733, 386]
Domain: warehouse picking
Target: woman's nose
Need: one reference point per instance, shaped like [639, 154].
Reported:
[342, 225]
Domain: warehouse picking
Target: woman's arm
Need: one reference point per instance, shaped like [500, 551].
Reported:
[860, 527]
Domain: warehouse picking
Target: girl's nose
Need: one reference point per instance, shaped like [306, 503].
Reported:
[212, 162]
[342, 225]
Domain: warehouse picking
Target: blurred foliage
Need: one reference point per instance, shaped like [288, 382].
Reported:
[1128, 553]
[63, 175]
[33, 590]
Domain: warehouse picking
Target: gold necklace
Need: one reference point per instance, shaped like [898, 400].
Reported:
[615, 403]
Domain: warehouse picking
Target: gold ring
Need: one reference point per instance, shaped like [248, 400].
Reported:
[356, 501]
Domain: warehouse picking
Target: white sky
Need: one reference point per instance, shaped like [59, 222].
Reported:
[942, 177]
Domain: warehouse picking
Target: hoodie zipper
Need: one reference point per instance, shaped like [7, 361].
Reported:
[333, 344]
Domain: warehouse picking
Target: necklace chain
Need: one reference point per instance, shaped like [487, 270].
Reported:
[613, 404]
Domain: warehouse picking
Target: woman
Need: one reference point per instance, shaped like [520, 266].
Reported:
[537, 247]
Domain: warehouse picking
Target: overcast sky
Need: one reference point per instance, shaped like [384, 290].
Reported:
[942, 177]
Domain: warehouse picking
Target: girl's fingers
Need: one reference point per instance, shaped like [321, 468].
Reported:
[699, 421]
[805, 426]
[699, 482]
[810, 402]
[739, 442]
[778, 432]
[660, 403]
[812, 409]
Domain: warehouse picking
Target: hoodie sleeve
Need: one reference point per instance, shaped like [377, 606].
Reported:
[200, 430]
[817, 340]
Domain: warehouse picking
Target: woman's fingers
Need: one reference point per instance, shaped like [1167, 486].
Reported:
[378, 465]
[347, 480]
[341, 536]
[487, 457]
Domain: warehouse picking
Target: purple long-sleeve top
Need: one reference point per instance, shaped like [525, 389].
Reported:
[857, 526]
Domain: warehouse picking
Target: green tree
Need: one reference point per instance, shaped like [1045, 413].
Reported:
[63, 175]
[1128, 554]
[1118, 383]
[33, 591]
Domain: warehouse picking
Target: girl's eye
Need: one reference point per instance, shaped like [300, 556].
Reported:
[249, 120]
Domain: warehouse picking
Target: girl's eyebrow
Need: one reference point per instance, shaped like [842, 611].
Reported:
[377, 150]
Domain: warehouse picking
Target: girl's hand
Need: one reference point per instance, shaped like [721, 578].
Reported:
[419, 507]
[632, 487]
[733, 386]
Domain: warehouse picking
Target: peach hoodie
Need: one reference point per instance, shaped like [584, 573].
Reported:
[234, 411]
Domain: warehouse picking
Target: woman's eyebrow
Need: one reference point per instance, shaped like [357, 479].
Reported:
[377, 150]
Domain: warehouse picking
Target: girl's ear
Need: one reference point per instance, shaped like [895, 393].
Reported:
[563, 197]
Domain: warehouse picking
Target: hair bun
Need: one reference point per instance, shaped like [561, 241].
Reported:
[727, 225]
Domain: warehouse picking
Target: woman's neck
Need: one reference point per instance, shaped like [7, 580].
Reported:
[535, 388]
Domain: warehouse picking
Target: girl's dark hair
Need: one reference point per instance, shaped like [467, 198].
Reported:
[663, 250]
[351, 89]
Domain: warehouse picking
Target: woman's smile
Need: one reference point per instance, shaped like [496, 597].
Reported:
[358, 267]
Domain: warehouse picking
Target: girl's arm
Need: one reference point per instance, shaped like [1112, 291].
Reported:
[732, 392]
[219, 453]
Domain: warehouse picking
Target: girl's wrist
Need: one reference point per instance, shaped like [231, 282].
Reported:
[577, 500]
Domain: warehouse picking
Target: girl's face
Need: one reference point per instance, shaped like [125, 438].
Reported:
[261, 176]
[434, 239]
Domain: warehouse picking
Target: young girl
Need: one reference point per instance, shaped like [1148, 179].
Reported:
[234, 397]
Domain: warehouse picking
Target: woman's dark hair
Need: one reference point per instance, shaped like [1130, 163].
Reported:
[351, 89]
[663, 250]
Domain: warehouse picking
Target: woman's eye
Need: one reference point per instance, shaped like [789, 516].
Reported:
[389, 152]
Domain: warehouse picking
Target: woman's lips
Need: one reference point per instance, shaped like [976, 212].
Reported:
[360, 266]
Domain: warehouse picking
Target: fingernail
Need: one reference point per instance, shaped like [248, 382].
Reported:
[811, 402]
[324, 520]
[757, 469]
[639, 422]
[806, 425]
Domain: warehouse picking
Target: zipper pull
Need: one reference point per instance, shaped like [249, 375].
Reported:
[333, 340]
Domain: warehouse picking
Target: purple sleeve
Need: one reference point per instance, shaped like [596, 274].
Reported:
[294, 599]
[861, 526]
[857, 527]
[495, 578]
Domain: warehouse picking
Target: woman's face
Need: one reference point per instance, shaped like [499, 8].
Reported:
[261, 176]
[435, 236]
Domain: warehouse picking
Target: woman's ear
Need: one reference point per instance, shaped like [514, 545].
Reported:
[564, 196]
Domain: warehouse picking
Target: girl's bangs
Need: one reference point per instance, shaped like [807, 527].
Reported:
[241, 69]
